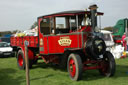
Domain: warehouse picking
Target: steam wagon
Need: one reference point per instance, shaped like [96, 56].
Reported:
[70, 39]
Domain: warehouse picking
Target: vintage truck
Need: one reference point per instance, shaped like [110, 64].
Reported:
[70, 39]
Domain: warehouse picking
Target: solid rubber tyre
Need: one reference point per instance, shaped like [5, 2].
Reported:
[108, 64]
[74, 67]
[20, 60]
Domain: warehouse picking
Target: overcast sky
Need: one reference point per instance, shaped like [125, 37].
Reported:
[21, 14]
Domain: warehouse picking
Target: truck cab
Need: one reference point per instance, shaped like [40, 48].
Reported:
[62, 31]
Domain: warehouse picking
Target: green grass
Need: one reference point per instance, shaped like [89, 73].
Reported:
[43, 74]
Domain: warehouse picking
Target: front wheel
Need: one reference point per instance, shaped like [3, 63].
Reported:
[74, 67]
[108, 65]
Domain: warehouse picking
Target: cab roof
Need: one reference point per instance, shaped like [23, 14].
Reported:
[69, 13]
[106, 32]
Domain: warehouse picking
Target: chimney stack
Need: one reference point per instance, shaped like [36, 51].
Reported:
[93, 10]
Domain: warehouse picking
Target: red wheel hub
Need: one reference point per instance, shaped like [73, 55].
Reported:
[105, 65]
[20, 60]
[72, 67]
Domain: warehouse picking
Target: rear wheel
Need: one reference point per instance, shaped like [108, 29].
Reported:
[20, 60]
[108, 65]
[74, 67]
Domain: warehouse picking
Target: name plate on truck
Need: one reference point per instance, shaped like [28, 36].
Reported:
[65, 41]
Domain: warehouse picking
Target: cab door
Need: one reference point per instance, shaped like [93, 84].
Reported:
[44, 30]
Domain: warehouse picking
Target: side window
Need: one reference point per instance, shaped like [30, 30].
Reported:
[73, 23]
[60, 23]
[45, 26]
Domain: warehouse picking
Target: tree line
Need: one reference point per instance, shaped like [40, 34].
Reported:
[13, 32]
[8, 32]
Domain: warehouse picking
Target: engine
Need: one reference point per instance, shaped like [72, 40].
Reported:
[95, 47]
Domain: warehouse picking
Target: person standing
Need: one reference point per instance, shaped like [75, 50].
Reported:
[124, 45]
[124, 41]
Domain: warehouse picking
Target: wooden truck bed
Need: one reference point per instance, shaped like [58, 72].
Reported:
[19, 41]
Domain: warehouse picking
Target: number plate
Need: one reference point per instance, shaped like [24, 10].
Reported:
[7, 53]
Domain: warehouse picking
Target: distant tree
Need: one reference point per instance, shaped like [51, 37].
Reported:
[8, 32]
[5, 33]
[15, 31]
[109, 28]
[0, 34]
[34, 25]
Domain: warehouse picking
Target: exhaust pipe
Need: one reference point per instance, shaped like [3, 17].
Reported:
[93, 10]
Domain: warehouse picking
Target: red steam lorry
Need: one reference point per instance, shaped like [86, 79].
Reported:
[70, 39]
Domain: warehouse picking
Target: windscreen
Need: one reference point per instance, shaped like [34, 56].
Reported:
[106, 37]
[4, 45]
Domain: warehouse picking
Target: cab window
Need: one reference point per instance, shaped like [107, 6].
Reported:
[62, 25]
[45, 26]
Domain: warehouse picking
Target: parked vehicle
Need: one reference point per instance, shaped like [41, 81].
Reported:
[115, 49]
[5, 49]
[70, 39]
[119, 29]
[5, 39]
[107, 36]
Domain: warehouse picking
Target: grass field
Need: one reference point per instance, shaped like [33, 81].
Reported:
[42, 74]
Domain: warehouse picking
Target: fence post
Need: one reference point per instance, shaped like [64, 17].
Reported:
[27, 63]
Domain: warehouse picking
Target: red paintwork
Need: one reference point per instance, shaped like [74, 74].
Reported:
[72, 67]
[118, 41]
[19, 41]
[98, 65]
[20, 60]
[51, 45]
[69, 14]
[90, 61]
[30, 54]
[104, 66]
[51, 58]
[91, 67]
